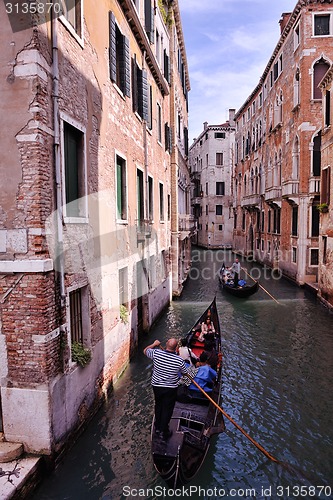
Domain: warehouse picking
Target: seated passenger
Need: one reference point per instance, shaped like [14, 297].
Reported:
[206, 328]
[212, 359]
[205, 376]
[186, 353]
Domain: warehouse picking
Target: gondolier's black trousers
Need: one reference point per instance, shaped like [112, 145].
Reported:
[165, 400]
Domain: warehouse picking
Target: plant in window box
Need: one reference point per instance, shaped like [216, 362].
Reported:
[323, 208]
[80, 354]
[123, 313]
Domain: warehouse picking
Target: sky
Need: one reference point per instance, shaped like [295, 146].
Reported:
[228, 45]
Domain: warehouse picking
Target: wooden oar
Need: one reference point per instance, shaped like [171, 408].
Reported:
[271, 296]
[268, 455]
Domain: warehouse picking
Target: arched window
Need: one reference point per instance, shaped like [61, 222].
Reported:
[319, 70]
[252, 181]
[316, 156]
[245, 187]
[296, 88]
[295, 156]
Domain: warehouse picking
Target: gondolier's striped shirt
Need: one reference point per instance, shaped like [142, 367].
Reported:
[168, 368]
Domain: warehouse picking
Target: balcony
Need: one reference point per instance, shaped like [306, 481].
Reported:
[290, 188]
[186, 225]
[143, 230]
[273, 193]
[314, 185]
[252, 200]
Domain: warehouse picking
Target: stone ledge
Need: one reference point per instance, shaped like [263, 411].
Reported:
[10, 451]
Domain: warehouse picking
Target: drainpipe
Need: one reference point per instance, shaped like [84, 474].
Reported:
[59, 213]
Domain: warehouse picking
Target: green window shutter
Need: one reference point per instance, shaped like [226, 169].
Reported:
[135, 102]
[71, 169]
[143, 94]
[112, 47]
[127, 67]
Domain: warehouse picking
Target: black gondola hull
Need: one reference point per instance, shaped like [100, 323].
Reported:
[193, 422]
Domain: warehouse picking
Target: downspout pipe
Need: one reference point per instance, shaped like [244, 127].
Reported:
[57, 161]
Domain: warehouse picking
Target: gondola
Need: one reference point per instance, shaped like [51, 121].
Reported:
[195, 419]
[242, 290]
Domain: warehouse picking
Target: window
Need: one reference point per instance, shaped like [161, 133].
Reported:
[314, 256]
[149, 20]
[72, 11]
[167, 137]
[296, 88]
[161, 202]
[219, 135]
[296, 37]
[140, 90]
[316, 155]
[324, 249]
[219, 209]
[325, 194]
[75, 311]
[166, 66]
[219, 188]
[322, 25]
[314, 221]
[74, 170]
[319, 70]
[121, 188]
[79, 316]
[327, 108]
[150, 198]
[140, 195]
[220, 227]
[169, 206]
[276, 220]
[294, 255]
[123, 286]
[269, 221]
[219, 158]
[294, 224]
[159, 123]
[119, 57]
[243, 222]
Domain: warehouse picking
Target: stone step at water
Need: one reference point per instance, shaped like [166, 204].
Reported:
[10, 451]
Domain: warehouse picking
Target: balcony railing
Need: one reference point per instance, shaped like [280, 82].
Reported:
[143, 229]
[186, 223]
[290, 188]
[314, 185]
[250, 200]
[273, 193]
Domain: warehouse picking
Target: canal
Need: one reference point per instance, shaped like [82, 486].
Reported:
[277, 385]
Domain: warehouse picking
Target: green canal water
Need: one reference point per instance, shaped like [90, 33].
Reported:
[277, 385]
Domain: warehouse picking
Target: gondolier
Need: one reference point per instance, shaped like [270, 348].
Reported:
[167, 370]
[235, 269]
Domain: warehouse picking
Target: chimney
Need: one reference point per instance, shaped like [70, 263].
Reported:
[285, 16]
[205, 125]
[232, 113]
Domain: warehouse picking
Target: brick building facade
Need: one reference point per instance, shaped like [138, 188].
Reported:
[89, 165]
[277, 148]
[211, 163]
[325, 268]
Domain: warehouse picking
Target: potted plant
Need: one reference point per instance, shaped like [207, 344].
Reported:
[80, 354]
[123, 313]
[323, 208]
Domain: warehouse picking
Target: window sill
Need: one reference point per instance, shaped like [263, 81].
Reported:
[72, 31]
[76, 220]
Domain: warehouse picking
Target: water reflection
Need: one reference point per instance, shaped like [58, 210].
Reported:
[277, 385]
